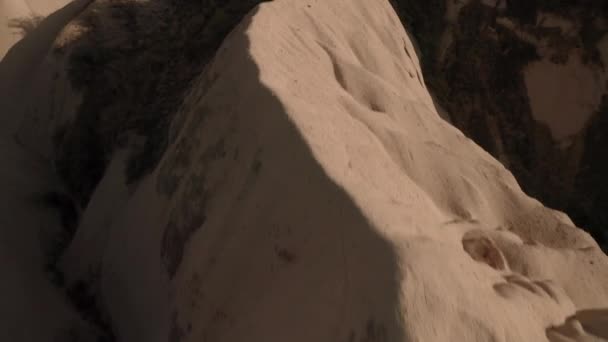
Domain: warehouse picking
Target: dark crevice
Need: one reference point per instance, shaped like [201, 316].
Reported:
[80, 295]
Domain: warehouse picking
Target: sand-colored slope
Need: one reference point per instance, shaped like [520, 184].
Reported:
[312, 193]
[45, 7]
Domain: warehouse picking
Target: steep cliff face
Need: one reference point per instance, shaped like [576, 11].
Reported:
[204, 174]
[527, 81]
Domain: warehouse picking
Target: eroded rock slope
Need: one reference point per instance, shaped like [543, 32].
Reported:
[296, 185]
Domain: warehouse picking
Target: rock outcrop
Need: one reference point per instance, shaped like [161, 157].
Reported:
[227, 172]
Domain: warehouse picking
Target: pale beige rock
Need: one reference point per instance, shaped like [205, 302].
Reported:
[358, 223]
[312, 193]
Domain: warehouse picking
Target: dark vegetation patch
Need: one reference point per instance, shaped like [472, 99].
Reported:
[480, 84]
[424, 19]
[25, 25]
[488, 69]
[484, 84]
[590, 207]
[134, 63]
[583, 11]
[524, 11]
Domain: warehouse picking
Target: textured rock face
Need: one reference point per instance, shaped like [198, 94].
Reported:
[527, 81]
[291, 182]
